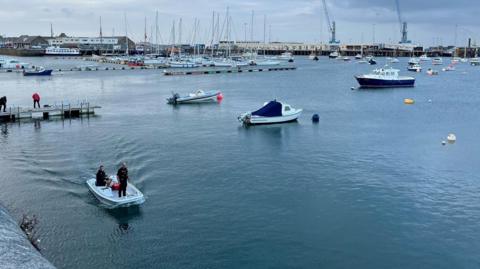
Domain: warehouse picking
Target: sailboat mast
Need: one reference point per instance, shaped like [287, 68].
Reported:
[101, 37]
[213, 33]
[126, 33]
[156, 31]
[145, 38]
[264, 33]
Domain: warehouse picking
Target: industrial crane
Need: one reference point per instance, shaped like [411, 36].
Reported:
[403, 25]
[331, 26]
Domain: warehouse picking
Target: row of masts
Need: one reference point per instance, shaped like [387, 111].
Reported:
[219, 32]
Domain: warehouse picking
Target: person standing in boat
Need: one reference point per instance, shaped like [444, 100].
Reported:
[3, 103]
[36, 100]
[122, 175]
[102, 178]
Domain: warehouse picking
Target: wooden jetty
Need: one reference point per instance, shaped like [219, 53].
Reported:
[63, 110]
[227, 71]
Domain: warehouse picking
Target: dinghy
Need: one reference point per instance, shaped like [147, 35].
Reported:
[271, 112]
[196, 97]
[110, 197]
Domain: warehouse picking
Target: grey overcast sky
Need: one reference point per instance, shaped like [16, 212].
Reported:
[431, 22]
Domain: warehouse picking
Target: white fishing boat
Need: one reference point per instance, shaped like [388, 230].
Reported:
[196, 97]
[475, 61]
[286, 56]
[270, 113]
[110, 197]
[424, 58]
[437, 61]
[333, 55]
[346, 59]
[394, 61]
[358, 56]
[386, 77]
[414, 68]
[413, 60]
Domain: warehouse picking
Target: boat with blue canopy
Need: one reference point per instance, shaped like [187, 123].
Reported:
[270, 113]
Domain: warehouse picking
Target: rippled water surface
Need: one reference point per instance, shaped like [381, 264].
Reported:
[370, 186]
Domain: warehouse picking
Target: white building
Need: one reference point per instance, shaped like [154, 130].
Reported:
[68, 41]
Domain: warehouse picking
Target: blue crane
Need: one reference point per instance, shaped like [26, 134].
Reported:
[331, 25]
[403, 25]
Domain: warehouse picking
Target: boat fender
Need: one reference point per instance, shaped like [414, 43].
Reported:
[219, 97]
[315, 118]
[116, 186]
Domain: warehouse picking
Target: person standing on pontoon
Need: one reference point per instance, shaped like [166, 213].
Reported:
[102, 178]
[3, 103]
[36, 100]
[122, 175]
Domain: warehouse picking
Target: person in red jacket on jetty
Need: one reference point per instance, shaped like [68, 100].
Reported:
[36, 100]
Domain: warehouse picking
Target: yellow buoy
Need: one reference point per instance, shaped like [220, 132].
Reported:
[409, 101]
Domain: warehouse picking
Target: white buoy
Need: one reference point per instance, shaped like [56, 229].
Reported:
[352, 88]
[451, 138]
[444, 143]
[429, 100]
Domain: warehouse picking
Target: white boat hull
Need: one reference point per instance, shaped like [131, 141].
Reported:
[110, 197]
[257, 120]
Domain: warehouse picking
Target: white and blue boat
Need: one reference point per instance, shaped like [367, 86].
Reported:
[386, 77]
[270, 113]
[38, 72]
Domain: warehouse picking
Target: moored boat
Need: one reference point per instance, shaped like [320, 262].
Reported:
[333, 55]
[109, 197]
[424, 58]
[414, 68]
[385, 78]
[38, 72]
[437, 61]
[270, 113]
[196, 97]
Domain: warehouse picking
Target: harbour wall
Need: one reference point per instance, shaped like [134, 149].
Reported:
[16, 252]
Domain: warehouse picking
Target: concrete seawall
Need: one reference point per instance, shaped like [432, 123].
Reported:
[15, 249]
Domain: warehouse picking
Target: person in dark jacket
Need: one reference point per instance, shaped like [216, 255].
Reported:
[102, 178]
[3, 103]
[122, 175]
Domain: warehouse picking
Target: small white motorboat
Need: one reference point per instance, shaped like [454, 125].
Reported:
[110, 197]
[414, 68]
[394, 61]
[424, 58]
[196, 97]
[272, 112]
[450, 67]
[437, 61]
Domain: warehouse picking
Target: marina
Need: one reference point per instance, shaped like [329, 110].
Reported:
[326, 134]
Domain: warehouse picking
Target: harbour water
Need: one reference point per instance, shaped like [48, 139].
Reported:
[369, 186]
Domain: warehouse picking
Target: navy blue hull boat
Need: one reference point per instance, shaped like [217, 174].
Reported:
[384, 78]
[40, 72]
